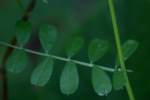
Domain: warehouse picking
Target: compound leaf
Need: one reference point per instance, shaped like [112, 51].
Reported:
[74, 46]
[17, 61]
[101, 82]
[42, 73]
[47, 36]
[23, 32]
[97, 49]
[69, 80]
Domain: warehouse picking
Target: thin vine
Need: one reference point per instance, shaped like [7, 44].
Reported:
[119, 48]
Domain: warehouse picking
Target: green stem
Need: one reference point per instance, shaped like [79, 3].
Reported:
[119, 49]
[59, 58]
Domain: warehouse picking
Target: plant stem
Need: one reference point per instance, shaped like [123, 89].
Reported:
[29, 10]
[59, 58]
[4, 72]
[119, 49]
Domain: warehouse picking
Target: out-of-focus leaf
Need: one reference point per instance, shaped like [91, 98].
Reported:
[74, 46]
[42, 73]
[118, 80]
[129, 47]
[97, 49]
[17, 61]
[69, 80]
[23, 32]
[101, 82]
[47, 36]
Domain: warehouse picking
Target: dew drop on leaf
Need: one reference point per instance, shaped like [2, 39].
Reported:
[101, 82]
[69, 79]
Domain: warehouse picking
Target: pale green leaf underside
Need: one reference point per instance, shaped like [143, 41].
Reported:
[23, 32]
[47, 35]
[97, 49]
[17, 61]
[42, 73]
[118, 80]
[69, 79]
[101, 82]
[74, 46]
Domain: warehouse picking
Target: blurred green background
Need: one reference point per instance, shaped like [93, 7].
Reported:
[89, 19]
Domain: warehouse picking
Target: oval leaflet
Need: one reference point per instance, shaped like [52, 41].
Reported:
[17, 61]
[47, 36]
[42, 73]
[97, 49]
[118, 80]
[23, 32]
[101, 82]
[74, 46]
[69, 79]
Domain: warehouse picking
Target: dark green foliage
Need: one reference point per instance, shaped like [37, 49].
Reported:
[17, 61]
[47, 35]
[74, 46]
[69, 79]
[45, 1]
[43, 72]
[118, 80]
[88, 19]
[129, 47]
[101, 82]
[97, 48]
[23, 32]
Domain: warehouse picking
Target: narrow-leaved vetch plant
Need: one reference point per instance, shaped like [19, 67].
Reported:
[69, 77]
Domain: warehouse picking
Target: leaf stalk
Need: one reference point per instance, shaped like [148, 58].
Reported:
[59, 58]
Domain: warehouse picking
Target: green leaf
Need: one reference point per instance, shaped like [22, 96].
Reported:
[23, 32]
[69, 80]
[74, 46]
[118, 80]
[17, 61]
[129, 47]
[101, 82]
[97, 49]
[42, 73]
[47, 36]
